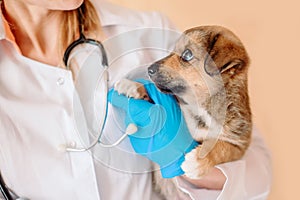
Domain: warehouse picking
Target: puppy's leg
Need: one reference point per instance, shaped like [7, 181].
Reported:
[196, 167]
[131, 89]
[167, 187]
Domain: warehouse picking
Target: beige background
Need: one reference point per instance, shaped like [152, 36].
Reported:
[270, 30]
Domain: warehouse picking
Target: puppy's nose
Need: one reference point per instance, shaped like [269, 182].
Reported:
[153, 69]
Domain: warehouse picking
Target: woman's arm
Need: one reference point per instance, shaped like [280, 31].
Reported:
[247, 178]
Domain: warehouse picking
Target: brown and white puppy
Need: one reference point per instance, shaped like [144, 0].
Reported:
[207, 72]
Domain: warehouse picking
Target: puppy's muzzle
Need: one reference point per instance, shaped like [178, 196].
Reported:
[153, 69]
[157, 78]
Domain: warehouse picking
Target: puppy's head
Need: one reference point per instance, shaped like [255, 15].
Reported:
[205, 59]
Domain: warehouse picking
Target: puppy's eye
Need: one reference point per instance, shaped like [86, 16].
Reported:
[187, 55]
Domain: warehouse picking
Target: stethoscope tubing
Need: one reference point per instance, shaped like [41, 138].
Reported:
[82, 40]
[4, 190]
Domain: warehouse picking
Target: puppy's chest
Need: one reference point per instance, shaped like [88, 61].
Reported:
[198, 121]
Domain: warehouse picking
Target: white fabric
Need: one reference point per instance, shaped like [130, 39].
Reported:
[248, 178]
[37, 115]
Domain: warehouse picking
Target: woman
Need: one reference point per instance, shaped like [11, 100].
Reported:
[36, 113]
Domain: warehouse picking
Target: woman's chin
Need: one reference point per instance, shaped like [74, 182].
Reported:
[67, 5]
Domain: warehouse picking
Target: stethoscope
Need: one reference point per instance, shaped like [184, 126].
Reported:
[83, 40]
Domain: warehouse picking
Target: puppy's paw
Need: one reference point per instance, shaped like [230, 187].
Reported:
[130, 89]
[193, 166]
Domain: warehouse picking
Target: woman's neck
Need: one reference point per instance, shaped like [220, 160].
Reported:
[35, 30]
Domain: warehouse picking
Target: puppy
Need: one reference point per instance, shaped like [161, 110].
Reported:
[207, 73]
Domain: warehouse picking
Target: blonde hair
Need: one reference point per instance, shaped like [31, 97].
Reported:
[69, 30]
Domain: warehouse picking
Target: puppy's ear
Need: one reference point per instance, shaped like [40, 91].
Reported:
[224, 52]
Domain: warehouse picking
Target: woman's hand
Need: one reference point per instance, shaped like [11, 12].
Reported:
[214, 180]
[162, 135]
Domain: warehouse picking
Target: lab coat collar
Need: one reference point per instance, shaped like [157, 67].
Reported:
[109, 14]
[112, 14]
[2, 33]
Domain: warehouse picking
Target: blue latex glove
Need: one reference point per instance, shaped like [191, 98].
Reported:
[162, 135]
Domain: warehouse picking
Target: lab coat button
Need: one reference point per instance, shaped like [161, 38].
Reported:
[72, 144]
[60, 81]
[64, 147]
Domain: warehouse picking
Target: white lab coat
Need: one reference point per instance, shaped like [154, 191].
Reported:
[37, 116]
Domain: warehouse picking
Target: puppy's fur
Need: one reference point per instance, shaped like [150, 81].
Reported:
[207, 72]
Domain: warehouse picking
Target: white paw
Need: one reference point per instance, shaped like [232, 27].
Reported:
[128, 88]
[191, 165]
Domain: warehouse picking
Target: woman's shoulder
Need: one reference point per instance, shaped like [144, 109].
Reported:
[114, 15]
